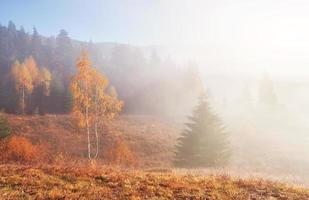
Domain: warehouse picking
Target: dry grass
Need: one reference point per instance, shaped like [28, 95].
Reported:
[55, 182]
[151, 139]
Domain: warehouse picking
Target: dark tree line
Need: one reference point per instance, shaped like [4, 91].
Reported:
[144, 80]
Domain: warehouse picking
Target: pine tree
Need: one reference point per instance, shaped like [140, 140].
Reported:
[43, 90]
[204, 142]
[64, 53]
[57, 92]
[68, 104]
[36, 45]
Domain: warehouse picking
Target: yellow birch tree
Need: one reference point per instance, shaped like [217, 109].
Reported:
[23, 82]
[33, 70]
[91, 103]
[44, 80]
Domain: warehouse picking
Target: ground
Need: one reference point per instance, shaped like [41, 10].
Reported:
[55, 182]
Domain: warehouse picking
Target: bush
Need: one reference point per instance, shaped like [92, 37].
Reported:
[119, 153]
[4, 129]
[20, 149]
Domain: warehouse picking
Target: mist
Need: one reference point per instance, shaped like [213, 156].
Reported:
[165, 88]
[235, 45]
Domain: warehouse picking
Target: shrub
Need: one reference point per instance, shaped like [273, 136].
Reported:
[20, 149]
[4, 128]
[119, 153]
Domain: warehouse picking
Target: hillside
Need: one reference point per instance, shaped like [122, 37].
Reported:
[150, 138]
[22, 182]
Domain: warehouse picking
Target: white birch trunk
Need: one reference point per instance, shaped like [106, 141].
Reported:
[23, 101]
[88, 133]
[96, 125]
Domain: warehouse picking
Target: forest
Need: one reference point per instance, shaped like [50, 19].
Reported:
[123, 65]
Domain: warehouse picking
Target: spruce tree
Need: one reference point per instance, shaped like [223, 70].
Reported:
[68, 104]
[204, 142]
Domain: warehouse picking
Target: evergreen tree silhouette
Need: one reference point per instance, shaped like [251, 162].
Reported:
[204, 142]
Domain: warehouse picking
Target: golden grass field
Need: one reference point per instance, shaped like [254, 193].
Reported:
[90, 182]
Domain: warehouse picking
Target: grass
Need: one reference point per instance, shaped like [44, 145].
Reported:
[150, 138]
[56, 182]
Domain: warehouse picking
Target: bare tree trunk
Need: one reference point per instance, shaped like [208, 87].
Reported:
[96, 125]
[88, 133]
[97, 139]
[87, 125]
[23, 101]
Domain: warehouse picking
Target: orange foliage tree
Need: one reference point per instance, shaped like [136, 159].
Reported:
[91, 104]
[27, 77]
[23, 82]
[33, 70]
[41, 78]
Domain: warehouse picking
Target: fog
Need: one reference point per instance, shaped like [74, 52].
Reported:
[236, 44]
[246, 37]
[252, 57]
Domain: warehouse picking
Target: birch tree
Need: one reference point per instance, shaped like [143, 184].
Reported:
[45, 80]
[91, 104]
[33, 70]
[23, 82]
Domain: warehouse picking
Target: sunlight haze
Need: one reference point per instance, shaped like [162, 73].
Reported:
[241, 35]
[154, 99]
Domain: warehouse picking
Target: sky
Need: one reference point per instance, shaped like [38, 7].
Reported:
[236, 35]
[99, 20]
